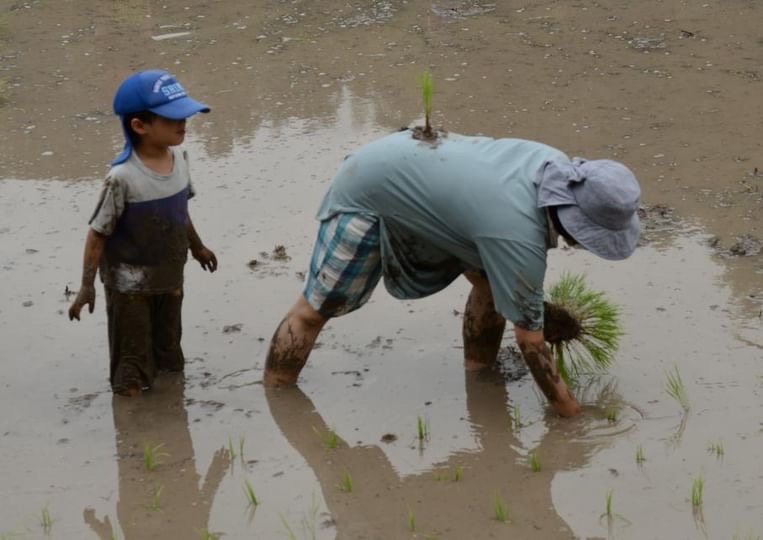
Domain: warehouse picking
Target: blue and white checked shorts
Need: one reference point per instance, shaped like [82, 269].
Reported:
[345, 266]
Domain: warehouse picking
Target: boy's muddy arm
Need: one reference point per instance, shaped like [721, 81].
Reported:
[200, 252]
[94, 244]
[544, 370]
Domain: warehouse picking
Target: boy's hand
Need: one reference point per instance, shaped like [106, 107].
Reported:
[86, 295]
[206, 258]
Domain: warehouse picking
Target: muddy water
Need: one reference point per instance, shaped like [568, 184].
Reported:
[669, 88]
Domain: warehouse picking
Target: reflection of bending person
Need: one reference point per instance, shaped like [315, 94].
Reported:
[379, 504]
[422, 214]
[157, 418]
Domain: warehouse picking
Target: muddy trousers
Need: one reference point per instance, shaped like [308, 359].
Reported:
[144, 337]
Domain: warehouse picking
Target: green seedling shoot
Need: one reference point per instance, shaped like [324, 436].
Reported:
[582, 327]
[427, 91]
[534, 462]
[328, 438]
[608, 505]
[422, 429]
[46, 522]
[156, 495]
[458, 473]
[697, 489]
[640, 456]
[231, 451]
[500, 509]
[251, 497]
[612, 414]
[411, 520]
[153, 455]
[675, 388]
[516, 418]
[345, 484]
[206, 534]
[716, 448]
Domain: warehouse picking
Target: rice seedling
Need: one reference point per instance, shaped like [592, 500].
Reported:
[422, 429]
[206, 534]
[640, 456]
[534, 462]
[500, 509]
[153, 455]
[328, 438]
[411, 520]
[156, 498]
[717, 449]
[608, 505]
[251, 497]
[582, 327]
[46, 522]
[440, 476]
[612, 415]
[308, 522]
[458, 473]
[241, 441]
[675, 388]
[427, 90]
[345, 483]
[516, 418]
[231, 452]
[697, 491]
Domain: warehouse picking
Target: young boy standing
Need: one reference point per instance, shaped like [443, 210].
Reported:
[140, 233]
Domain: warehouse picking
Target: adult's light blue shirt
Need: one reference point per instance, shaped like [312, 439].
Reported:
[462, 203]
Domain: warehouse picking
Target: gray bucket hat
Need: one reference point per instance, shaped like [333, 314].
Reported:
[597, 203]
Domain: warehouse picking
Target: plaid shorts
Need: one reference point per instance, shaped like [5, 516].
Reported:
[345, 266]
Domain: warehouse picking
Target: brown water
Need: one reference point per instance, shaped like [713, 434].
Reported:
[672, 89]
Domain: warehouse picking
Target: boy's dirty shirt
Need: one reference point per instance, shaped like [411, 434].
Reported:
[145, 216]
[460, 204]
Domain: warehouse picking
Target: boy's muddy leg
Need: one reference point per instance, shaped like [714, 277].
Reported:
[483, 326]
[291, 344]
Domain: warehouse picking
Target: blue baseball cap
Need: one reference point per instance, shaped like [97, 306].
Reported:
[157, 91]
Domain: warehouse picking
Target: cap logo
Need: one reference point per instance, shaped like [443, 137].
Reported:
[170, 91]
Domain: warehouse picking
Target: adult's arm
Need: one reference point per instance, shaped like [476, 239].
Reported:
[94, 244]
[543, 368]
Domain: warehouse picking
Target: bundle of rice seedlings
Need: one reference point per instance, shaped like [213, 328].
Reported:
[581, 326]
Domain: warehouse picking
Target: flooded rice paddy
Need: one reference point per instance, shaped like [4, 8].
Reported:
[670, 88]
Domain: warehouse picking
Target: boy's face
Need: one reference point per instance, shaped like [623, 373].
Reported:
[160, 131]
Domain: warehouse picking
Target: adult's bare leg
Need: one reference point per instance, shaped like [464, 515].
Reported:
[291, 344]
[483, 326]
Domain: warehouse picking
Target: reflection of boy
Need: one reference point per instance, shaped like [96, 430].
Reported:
[141, 231]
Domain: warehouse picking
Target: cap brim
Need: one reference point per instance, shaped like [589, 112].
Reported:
[609, 244]
[180, 109]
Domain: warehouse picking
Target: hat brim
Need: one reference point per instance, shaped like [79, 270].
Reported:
[609, 244]
[180, 109]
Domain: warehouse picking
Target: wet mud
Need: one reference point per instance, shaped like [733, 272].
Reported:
[670, 88]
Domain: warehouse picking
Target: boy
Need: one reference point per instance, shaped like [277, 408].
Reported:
[141, 231]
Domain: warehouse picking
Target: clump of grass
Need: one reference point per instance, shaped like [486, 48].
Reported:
[422, 429]
[153, 455]
[500, 509]
[640, 456]
[582, 327]
[535, 465]
[328, 438]
[411, 520]
[345, 483]
[675, 388]
[717, 449]
[251, 497]
[612, 415]
[46, 522]
[427, 91]
[156, 498]
[697, 491]
[206, 534]
[458, 473]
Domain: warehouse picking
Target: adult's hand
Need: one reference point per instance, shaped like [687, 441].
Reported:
[86, 295]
